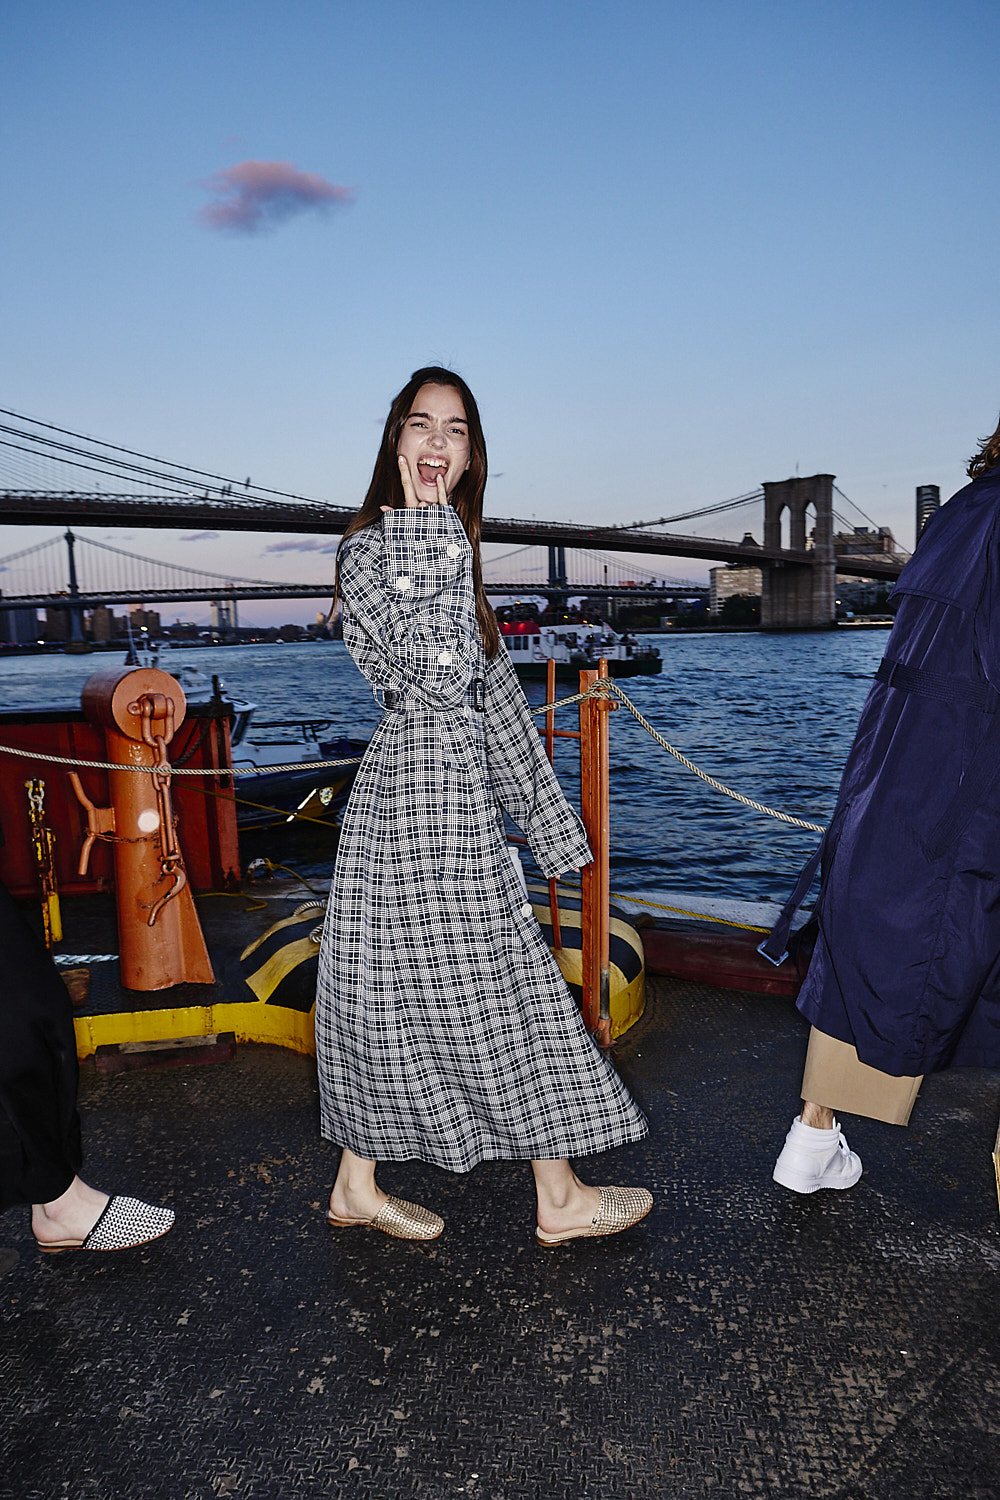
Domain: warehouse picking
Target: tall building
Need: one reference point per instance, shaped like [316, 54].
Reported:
[733, 579]
[102, 623]
[864, 542]
[18, 627]
[928, 501]
[57, 623]
[145, 619]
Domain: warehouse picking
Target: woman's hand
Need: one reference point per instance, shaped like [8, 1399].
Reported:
[409, 494]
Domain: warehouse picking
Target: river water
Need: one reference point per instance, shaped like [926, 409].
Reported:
[772, 716]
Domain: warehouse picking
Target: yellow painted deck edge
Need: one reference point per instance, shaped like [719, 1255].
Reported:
[255, 1021]
[627, 1001]
[250, 1020]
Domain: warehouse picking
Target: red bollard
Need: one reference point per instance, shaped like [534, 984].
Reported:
[159, 934]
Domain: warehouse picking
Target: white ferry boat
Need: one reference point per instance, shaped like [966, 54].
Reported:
[576, 644]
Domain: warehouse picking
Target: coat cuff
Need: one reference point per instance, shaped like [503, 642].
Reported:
[426, 550]
[556, 858]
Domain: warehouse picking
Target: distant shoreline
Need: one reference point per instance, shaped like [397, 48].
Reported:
[681, 631]
[96, 648]
[101, 647]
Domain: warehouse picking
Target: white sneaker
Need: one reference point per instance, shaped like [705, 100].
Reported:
[812, 1159]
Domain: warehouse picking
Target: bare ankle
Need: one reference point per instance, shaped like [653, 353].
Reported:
[817, 1115]
[356, 1174]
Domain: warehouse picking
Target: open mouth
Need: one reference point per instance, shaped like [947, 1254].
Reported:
[430, 468]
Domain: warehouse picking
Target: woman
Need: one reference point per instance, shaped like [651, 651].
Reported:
[444, 1029]
[905, 975]
[40, 1150]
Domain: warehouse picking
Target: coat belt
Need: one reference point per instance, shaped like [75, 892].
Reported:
[940, 686]
[397, 701]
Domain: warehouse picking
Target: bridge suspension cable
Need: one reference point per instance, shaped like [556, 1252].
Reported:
[689, 515]
[47, 573]
[31, 568]
[163, 472]
[589, 569]
[643, 569]
[491, 561]
[46, 546]
[838, 491]
[220, 578]
[162, 490]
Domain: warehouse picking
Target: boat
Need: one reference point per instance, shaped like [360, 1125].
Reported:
[267, 792]
[302, 793]
[575, 645]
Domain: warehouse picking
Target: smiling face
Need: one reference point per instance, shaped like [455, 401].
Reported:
[435, 439]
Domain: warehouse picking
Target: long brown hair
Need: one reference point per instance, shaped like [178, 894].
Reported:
[386, 487]
[987, 458]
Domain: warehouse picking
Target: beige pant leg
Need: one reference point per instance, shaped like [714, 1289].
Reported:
[835, 1077]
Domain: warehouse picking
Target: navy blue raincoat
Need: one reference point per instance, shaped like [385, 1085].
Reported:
[906, 966]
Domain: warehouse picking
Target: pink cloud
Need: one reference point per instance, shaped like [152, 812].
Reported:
[306, 544]
[201, 536]
[256, 195]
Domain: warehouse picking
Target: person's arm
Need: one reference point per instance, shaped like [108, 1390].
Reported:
[523, 780]
[409, 608]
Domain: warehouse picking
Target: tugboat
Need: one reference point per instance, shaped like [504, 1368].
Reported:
[575, 644]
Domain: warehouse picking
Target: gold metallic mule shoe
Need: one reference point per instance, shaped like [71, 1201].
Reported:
[621, 1207]
[396, 1217]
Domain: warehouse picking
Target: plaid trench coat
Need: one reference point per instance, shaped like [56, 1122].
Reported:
[444, 1029]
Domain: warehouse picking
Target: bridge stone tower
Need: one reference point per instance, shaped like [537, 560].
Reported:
[799, 596]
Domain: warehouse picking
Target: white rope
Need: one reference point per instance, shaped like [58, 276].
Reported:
[597, 691]
[719, 786]
[70, 960]
[602, 688]
[106, 765]
[302, 765]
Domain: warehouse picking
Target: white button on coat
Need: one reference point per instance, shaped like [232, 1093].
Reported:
[403, 582]
[526, 909]
[444, 659]
[453, 549]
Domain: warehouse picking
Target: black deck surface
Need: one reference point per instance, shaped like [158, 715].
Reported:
[743, 1341]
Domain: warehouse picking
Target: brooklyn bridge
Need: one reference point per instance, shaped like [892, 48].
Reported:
[799, 553]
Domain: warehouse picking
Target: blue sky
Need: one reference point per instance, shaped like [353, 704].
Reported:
[676, 249]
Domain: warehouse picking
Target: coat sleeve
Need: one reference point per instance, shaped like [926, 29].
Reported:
[524, 782]
[409, 607]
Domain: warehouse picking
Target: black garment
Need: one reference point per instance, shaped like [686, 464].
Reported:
[40, 1151]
